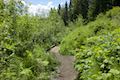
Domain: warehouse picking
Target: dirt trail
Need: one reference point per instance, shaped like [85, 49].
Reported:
[66, 68]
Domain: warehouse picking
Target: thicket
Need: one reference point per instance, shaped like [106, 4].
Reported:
[102, 24]
[24, 41]
[96, 47]
[99, 58]
[88, 9]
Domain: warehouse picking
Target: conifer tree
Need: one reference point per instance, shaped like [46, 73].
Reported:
[76, 8]
[98, 6]
[59, 9]
[65, 14]
[80, 8]
[71, 11]
[84, 8]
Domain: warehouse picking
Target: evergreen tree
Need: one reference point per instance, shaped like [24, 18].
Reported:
[76, 8]
[98, 6]
[84, 8]
[71, 11]
[104, 5]
[59, 9]
[65, 14]
[93, 9]
[80, 8]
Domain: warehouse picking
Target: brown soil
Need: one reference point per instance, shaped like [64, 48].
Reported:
[66, 68]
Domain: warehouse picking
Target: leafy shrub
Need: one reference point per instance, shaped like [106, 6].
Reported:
[36, 65]
[99, 58]
[74, 40]
[24, 40]
[101, 25]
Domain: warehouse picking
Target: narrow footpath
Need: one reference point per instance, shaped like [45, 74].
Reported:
[66, 68]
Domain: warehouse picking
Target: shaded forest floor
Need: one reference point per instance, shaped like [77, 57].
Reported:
[66, 69]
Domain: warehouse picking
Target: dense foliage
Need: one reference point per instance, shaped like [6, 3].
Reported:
[24, 41]
[88, 9]
[96, 47]
[99, 58]
[103, 23]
